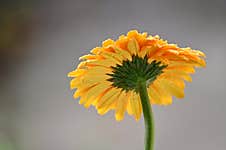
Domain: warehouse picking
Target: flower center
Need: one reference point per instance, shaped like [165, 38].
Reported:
[127, 75]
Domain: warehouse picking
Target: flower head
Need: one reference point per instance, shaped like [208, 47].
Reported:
[107, 77]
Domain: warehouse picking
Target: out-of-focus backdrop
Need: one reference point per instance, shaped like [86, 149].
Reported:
[41, 41]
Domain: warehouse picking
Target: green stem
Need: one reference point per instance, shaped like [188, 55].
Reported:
[148, 117]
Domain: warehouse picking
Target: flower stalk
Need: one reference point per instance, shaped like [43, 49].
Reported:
[148, 116]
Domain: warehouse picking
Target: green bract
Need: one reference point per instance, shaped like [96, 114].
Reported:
[127, 75]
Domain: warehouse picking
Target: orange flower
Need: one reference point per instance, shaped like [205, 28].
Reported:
[107, 77]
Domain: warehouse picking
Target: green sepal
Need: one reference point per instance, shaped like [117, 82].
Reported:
[127, 75]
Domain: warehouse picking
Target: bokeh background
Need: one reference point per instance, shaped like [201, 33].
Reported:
[41, 41]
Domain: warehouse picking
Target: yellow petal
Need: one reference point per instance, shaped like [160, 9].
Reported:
[165, 97]
[171, 74]
[154, 95]
[107, 108]
[107, 42]
[182, 68]
[107, 98]
[93, 93]
[96, 101]
[121, 106]
[114, 56]
[172, 88]
[125, 54]
[133, 46]
[148, 50]
[98, 70]
[132, 34]
[136, 106]
[76, 73]
[88, 80]
[129, 108]
[96, 50]
[74, 83]
[199, 53]
[90, 57]
[80, 92]
[107, 63]
[144, 51]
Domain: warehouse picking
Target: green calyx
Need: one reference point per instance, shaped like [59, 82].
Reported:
[128, 75]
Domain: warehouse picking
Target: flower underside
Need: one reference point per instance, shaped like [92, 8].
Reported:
[127, 75]
[108, 77]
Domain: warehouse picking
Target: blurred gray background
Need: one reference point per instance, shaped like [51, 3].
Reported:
[43, 43]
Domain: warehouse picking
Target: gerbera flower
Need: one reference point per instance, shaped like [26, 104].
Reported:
[107, 78]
